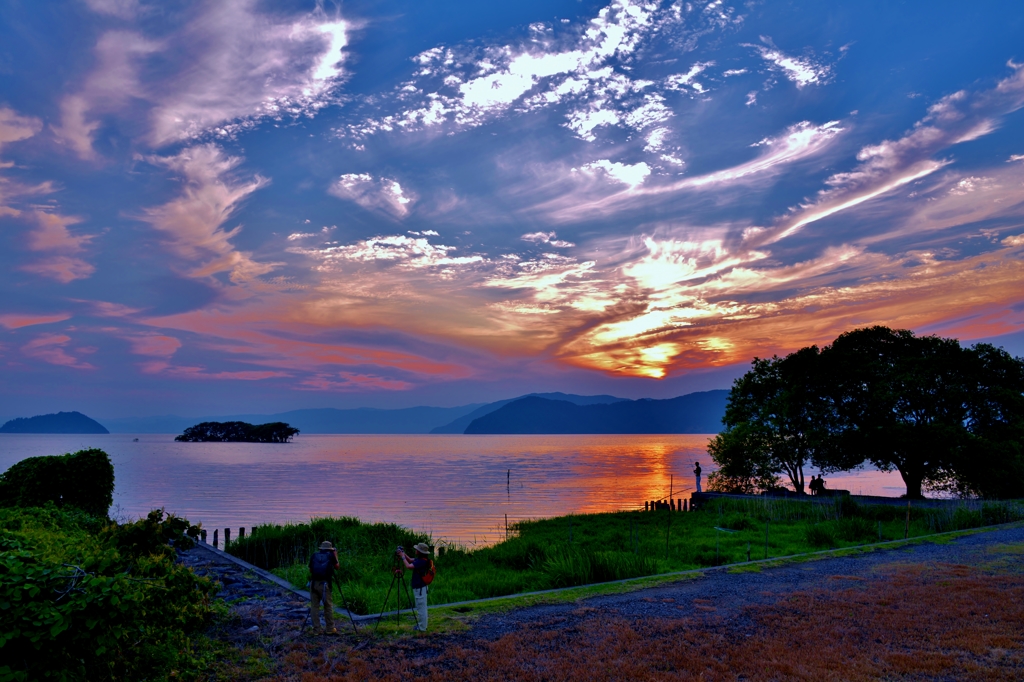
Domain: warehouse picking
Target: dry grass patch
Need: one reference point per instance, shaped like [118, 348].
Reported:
[939, 621]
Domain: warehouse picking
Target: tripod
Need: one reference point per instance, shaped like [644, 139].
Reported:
[397, 576]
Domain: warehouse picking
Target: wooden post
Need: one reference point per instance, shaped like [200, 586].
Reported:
[215, 544]
[685, 505]
[671, 479]
[241, 533]
[646, 505]
[202, 535]
[227, 537]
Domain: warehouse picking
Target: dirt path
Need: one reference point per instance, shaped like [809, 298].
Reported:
[947, 610]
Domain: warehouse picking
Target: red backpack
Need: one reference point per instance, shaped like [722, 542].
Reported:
[428, 575]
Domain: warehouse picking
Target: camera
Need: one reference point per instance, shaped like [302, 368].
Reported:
[400, 550]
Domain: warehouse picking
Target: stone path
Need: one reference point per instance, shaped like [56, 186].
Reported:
[262, 612]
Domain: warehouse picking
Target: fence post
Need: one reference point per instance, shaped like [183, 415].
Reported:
[241, 533]
[906, 529]
[215, 543]
[227, 537]
[202, 535]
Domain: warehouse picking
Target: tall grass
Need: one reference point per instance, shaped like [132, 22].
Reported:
[591, 548]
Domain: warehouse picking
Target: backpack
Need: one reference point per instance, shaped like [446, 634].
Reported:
[428, 575]
[322, 565]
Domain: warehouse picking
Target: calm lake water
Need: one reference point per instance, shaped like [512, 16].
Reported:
[456, 488]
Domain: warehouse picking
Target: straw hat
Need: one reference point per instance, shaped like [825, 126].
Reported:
[422, 548]
[326, 545]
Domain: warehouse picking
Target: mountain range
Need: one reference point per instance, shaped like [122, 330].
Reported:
[61, 422]
[532, 413]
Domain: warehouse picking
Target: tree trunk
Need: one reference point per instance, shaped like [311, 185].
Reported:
[913, 480]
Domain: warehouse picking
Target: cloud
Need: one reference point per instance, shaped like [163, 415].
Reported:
[14, 128]
[50, 348]
[401, 250]
[17, 321]
[223, 70]
[154, 344]
[546, 238]
[380, 194]
[352, 381]
[1015, 157]
[51, 235]
[193, 223]
[630, 175]
[583, 70]
[891, 164]
[802, 72]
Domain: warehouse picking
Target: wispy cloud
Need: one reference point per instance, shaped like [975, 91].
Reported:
[801, 71]
[381, 194]
[50, 348]
[193, 223]
[218, 72]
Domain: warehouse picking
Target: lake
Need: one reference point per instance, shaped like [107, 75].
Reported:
[457, 488]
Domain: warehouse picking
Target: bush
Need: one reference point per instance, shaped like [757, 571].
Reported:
[85, 605]
[84, 480]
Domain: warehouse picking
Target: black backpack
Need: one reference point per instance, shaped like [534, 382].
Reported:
[322, 565]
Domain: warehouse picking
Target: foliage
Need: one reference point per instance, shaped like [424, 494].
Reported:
[946, 417]
[84, 479]
[85, 599]
[238, 432]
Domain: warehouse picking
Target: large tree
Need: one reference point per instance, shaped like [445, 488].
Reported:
[776, 423]
[901, 401]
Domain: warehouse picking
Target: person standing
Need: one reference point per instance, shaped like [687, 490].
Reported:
[322, 565]
[696, 473]
[421, 566]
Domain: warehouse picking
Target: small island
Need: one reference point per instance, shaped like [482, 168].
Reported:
[62, 422]
[238, 432]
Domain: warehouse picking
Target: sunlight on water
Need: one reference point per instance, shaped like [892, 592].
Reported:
[456, 488]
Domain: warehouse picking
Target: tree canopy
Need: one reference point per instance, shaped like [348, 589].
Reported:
[238, 432]
[946, 417]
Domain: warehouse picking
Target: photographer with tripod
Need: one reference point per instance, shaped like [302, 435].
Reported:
[422, 573]
[321, 576]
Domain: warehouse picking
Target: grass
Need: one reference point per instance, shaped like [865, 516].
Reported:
[594, 548]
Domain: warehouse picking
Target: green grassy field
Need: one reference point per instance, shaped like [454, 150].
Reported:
[594, 548]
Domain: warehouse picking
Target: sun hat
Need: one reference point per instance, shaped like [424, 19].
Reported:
[326, 545]
[422, 547]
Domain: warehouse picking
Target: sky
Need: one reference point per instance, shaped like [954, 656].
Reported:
[213, 207]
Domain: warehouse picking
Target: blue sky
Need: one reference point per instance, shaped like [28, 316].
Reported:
[215, 207]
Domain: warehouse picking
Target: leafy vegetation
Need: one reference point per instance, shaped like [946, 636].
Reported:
[84, 480]
[84, 598]
[603, 547]
[947, 418]
[237, 432]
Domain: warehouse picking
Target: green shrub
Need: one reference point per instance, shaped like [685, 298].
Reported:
[84, 480]
[86, 600]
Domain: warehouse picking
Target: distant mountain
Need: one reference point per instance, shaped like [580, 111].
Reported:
[62, 422]
[460, 424]
[312, 421]
[692, 413]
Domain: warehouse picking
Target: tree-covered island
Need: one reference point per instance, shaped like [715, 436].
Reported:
[238, 432]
